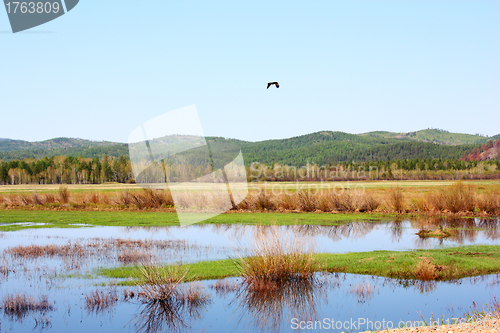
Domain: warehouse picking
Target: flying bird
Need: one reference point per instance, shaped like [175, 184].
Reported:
[271, 83]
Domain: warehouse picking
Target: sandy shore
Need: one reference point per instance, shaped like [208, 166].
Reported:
[486, 326]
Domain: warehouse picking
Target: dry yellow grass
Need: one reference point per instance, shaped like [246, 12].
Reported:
[452, 198]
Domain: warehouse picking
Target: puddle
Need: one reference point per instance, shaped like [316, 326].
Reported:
[24, 224]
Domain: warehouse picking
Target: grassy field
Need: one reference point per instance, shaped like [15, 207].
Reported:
[72, 219]
[440, 264]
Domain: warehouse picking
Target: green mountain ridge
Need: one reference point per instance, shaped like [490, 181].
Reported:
[321, 147]
[56, 143]
[433, 135]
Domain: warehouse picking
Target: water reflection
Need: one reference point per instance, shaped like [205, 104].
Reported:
[422, 286]
[396, 228]
[464, 230]
[169, 315]
[267, 306]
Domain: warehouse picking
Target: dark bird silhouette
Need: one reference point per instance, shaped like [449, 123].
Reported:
[271, 83]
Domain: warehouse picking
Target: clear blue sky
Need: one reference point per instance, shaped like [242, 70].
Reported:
[352, 66]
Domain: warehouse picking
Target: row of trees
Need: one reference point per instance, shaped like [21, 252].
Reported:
[432, 169]
[66, 170]
[79, 170]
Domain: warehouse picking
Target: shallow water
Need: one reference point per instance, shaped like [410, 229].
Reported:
[388, 300]
[349, 237]
[345, 296]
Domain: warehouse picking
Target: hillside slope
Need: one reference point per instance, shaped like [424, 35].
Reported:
[432, 135]
[321, 147]
[56, 143]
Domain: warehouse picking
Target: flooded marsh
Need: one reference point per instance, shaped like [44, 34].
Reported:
[49, 278]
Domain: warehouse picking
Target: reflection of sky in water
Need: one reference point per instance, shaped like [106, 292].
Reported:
[387, 300]
[350, 237]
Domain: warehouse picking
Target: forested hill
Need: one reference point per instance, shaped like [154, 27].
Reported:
[322, 147]
[19, 149]
[435, 136]
[52, 144]
[348, 151]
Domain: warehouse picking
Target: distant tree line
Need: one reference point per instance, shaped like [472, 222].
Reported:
[80, 170]
[417, 169]
[66, 170]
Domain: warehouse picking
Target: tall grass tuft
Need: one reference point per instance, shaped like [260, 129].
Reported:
[63, 194]
[263, 201]
[307, 201]
[93, 197]
[20, 305]
[277, 258]
[366, 203]
[489, 203]
[458, 197]
[287, 202]
[133, 256]
[36, 199]
[160, 284]
[124, 198]
[342, 202]
[100, 300]
[49, 198]
[166, 300]
[396, 200]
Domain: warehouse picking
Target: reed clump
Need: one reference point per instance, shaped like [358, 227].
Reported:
[51, 250]
[277, 258]
[124, 198]
[147, 198]
[482, 313]
[100, 300]
[489, 203]
[133, 256]
[160, 284]
[5, 271]
[458, 198]
[49, 198]
[264, 201]
[19, 305]
[37, 199]
[307, 200]
[93, 197]
[396, 200]
[63, 194]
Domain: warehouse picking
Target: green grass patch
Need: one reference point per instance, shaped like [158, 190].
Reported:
[205, 270]
[437, 264]
[71, 219]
